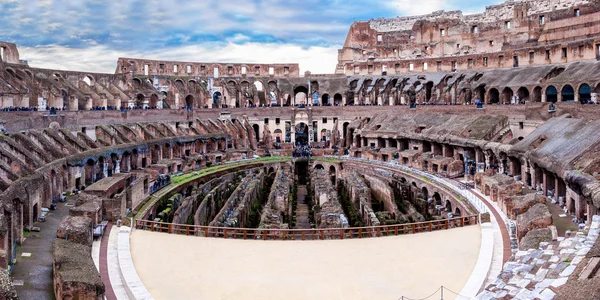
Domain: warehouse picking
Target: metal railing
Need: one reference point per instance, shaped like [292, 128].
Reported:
[306, 234]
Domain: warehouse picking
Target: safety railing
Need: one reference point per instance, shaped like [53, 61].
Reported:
[306, 234]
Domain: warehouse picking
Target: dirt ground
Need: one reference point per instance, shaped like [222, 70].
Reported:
[182, 267]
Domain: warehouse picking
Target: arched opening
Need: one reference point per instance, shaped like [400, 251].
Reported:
[551, 94]
[256, 131]
[179, 85]
[154, 101]
[301, 134]
[337, 99]
[428, 90]
[89, 172]
[332, 175]
[437, 199]
[523, 94]
[139, 100]
[260, 92]
[89, 80]
[479, 94]
[137, 83]
[457, 212]
[323, 135]
[189, 101]
[216, 98]
[319, 167]
[537, 94]
[448, 206]
[300, 95]
[494, 96]
[325, 99]
[278, 135]
[425, 193]
[568, 93]
[507, 95]
[585, 94]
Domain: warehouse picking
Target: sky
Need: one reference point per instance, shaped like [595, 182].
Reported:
[90, 35]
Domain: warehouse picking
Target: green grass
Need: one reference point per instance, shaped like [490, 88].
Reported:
[328, 159]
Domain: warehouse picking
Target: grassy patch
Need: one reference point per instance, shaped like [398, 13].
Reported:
[194, 175]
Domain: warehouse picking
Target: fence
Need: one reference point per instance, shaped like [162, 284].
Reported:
[306, 234]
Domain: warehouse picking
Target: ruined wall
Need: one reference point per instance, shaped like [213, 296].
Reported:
[277, 207]
[360, 196]
[505, 35]
[328, 210]
[75, 275]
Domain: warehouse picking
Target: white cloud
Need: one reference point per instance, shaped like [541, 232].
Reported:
[102, 59]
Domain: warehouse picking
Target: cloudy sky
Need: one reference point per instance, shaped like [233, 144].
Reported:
[90, 35]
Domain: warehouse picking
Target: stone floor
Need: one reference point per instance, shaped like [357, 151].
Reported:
[534, 274]
[32, 274]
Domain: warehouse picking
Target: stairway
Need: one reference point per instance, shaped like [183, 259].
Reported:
[302, 220]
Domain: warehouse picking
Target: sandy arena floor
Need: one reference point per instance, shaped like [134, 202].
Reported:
[181, 267]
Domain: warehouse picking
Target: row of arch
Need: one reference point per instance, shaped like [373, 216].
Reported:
[551, 93]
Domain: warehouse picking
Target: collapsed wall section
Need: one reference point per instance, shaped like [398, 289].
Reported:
[356, 200]
[277, 210]
[328, 210]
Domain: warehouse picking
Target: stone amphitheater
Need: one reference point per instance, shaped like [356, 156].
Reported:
[447, 155]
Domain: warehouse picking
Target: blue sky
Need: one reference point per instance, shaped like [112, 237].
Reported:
[90, 35]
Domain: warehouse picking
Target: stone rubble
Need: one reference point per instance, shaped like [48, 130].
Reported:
[536, 273]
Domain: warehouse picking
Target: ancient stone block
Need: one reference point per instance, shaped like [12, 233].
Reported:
[76, 230]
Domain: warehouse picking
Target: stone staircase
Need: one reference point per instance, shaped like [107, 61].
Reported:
[302, 219]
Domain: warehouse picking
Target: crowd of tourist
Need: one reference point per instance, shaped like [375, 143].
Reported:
[302, 151]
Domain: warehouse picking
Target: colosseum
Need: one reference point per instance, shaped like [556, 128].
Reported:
[447, 153]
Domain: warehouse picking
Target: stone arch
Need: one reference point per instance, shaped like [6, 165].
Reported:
[325, 99]
[256, 129]
[493, 96]
[537, 94]
[301, 95]
[319, 167]
[154, 101]
[437, 198]
[551, 94]
[457, 212]
[259, 86]
[567, 93]
[302, 137]
[139, 100]
[428, 90]
[278, 135]
[89, 80]
[337, 99]
[585, 93]
[217, 98]
[425, 192]
[523, 94]
[507, 95]
[137, 83]
[189, 101]
[179, 84]
[448, 206]
[89, 169]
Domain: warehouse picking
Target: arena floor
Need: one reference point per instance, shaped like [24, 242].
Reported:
[181, 267]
